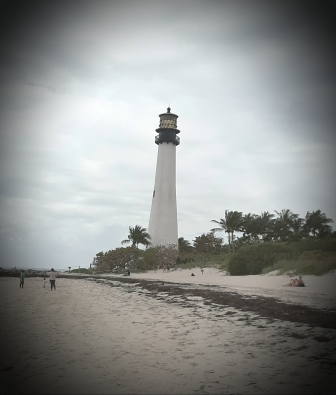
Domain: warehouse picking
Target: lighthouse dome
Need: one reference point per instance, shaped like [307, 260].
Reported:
[168, 120]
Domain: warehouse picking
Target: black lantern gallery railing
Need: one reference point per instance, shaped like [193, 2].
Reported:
[162, 139]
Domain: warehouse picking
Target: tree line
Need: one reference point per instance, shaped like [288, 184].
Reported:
[241, 229]
[286, 227]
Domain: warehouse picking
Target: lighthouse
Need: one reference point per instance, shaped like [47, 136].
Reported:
[163, 216]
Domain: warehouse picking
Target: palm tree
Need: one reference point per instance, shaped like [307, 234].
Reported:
[223, 226]
[233, 222]
[297, 229]
[266, 223]
[257, 227]
[317, 224]
[137, 235]
[184, 245]
[288, 226]
[250, 227]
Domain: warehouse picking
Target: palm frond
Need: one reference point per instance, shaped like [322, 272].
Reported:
[217, 229]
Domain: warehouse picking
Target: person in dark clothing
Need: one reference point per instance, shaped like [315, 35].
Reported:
[52, 279]
[22, 278]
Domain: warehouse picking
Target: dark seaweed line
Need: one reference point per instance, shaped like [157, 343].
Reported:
[266, 307]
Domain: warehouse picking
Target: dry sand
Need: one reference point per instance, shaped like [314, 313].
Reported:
[113, 337]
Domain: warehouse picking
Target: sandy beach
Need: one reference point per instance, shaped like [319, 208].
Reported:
[101, 335]
[320, 291]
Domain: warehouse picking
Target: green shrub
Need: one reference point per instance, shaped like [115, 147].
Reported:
[305, 257]
[149, 259]
[316, 255]
[237, 265]
[258, 256]
[312, 244]
[82, 271]
[308, 267]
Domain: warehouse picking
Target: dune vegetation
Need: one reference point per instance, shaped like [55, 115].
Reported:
[255, 244]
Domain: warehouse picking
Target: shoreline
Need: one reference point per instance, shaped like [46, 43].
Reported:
[214, 288]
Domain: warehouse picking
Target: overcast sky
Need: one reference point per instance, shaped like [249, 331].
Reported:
[83, 83]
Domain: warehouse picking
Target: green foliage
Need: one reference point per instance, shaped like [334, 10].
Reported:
[287, 227]
[136, 236]
[208, 244]
[317, 224]
[258, 256]
[257, 227]
[312, 244]
[222, 261]
[253, 258]
[167, 255]
[232, 222]
[238, 266]
[82, 271]
[316, 255]
[184, 245]
[185, 257]
[267, 243]
[149, 259]
[135, 259]
[301, 266]
[117, 259]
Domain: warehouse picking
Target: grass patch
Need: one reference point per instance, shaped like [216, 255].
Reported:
[306, 257]
[302, 266]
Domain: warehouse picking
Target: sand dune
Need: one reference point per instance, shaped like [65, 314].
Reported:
[109, 337]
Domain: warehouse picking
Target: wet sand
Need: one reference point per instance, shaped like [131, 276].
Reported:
[115, 336]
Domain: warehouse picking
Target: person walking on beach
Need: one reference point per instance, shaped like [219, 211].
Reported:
[22, 277]
[44, 282]
[52, 278]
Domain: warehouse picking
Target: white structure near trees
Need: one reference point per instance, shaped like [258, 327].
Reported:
[163, 217]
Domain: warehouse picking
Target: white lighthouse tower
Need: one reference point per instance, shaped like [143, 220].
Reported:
[163, 217]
